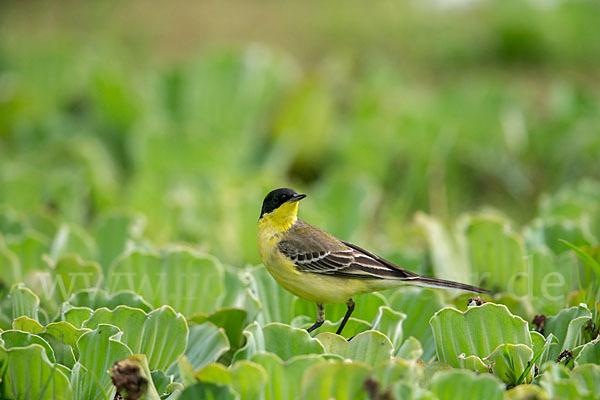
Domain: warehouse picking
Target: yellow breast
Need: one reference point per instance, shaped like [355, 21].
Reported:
[314, 287]
[273, 225]
[271, 229]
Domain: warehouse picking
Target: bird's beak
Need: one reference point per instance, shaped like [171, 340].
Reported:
[297, 197]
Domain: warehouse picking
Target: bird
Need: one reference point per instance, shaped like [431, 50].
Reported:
[317, 266]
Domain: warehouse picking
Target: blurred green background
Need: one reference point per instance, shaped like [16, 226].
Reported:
[190, 112]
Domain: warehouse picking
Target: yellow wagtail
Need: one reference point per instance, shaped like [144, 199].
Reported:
[317, 266]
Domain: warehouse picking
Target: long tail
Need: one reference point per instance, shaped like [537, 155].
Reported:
[444, 284]
[395, 272]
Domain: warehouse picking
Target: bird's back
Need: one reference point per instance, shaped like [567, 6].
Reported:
[303, 237]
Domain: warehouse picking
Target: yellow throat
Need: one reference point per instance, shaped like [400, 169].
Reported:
[279, 220]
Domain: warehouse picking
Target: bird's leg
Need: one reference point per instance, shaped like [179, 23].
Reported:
[350, 304]
[320, 318]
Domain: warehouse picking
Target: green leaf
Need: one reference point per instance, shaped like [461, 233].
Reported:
[550, 280]
[509, 362]
[587, 379]
[9, 265]
[567, 327]
[284, 378]
[589, 354]
[477, 332]
[593, 264]
[13, 339]
[410, 349]
[97, 298]
[71, 274]
[287, 342]
[572, 200]
[173, 391]
[583, 382]
[335, 380]
[526, 392]
[63, 353]
[29, 374]
[187, 281]
[389, 322]
[555, 379]
[27, 324]
[432, 369]
[134, 369]
[207, 391]
[63, 337]
[551, 231]
[397, 370]
[353, 327]
[206, 343]
[161, 380]
[76, 316]
[418, 305]
[161, 334]
[282, 340]
[112, 234]
[467, 385]
[29, 250]
[367, 307]
[43, 222]
[255, 342]
[276, 303]
[449, 257]
[232, 320]
[541, 347]
[237, 281]
[214, 373]
[186, 371]
[23, 302]
[72, 239]
[495, 252]
[98, 350]
[574, 335]
[401, 378]
[517, 305]
[12, 223]
[474, 363]
[370, 347]
[249, 379]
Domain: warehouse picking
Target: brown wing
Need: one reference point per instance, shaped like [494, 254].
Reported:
[314, 250]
